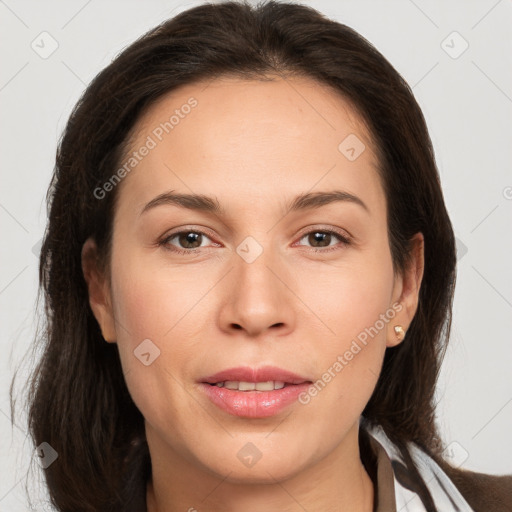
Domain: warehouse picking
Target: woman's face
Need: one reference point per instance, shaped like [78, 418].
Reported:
[257, 282]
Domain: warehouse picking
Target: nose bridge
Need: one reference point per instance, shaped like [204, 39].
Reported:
[257, 296]
[256, 267]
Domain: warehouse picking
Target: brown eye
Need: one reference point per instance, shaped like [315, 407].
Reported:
[187, 241]
[321, 239]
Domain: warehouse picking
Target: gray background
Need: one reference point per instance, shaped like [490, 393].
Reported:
[465, 94]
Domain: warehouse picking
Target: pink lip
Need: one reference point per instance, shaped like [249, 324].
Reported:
[263, 374]
[254, 404]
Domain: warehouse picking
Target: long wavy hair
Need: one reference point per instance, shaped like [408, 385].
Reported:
[78, 401]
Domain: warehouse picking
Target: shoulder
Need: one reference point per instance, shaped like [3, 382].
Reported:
[429, 475]
[483, 492]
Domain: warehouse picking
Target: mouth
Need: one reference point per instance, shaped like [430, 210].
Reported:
[254, 393]
[270, 385]
[245, 377]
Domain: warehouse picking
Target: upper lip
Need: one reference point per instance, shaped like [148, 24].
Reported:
[263, 374]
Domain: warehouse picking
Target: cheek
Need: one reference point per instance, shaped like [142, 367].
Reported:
[354, 307]
[159, 314]
[158, 332]
[154, 302]
[348, 298]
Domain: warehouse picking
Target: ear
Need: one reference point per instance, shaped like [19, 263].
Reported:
[100, 298]
[406, 291]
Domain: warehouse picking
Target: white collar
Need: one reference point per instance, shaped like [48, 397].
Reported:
[445, 495]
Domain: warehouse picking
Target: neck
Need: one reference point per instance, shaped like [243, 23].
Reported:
[339, 482]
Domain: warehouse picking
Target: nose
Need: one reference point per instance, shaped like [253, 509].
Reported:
[257, 298]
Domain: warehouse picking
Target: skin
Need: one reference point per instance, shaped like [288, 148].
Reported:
[253, 145]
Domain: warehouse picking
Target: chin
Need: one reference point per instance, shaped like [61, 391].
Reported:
[269, 474]
[274, 469]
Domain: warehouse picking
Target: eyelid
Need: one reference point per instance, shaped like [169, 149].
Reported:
[329, 229]
[186, 229]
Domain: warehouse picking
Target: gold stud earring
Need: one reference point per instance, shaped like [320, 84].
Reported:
[399, 331]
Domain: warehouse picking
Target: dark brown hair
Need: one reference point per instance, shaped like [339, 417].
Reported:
[78, 399]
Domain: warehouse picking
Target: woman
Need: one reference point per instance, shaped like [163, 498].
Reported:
[249, 272]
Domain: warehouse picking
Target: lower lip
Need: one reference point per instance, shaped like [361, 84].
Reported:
[254, 404]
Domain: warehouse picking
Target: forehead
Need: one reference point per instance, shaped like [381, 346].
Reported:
[253, 136]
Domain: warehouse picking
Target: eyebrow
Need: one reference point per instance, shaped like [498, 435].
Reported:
[209, 204]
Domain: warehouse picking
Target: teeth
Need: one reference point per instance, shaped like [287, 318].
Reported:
[270, 385]
[266, 386]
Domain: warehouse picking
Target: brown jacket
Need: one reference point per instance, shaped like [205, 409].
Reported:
[484, 493]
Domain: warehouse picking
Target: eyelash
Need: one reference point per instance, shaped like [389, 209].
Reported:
[165, 241]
